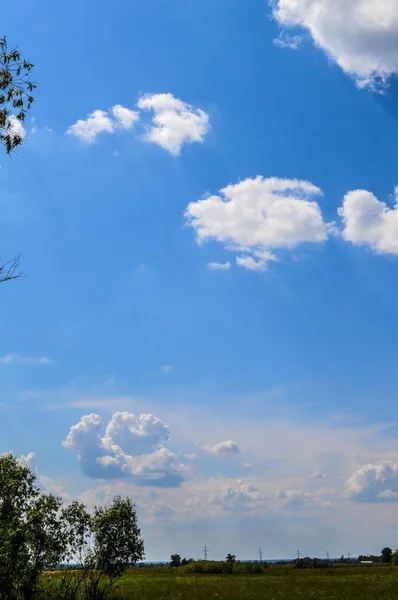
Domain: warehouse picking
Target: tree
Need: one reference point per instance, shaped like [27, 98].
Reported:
[37, 534]
[30, 531]
[386, 555]
[394, 559]
[16, 98]
[16, 89]
[175, 560]
[117, 544]
[230, 558]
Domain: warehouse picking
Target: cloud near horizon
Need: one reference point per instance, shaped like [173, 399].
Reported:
[374, 483]
[228, 448]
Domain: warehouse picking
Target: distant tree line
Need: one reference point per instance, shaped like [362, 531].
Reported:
[387, 556]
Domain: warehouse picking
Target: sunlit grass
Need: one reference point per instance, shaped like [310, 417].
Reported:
[277, 583]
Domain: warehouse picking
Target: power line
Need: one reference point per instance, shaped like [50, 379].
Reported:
[261, 555]
[205, 550]
[298, 554]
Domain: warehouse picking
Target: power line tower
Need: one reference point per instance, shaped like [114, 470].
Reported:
[205, 551]
[298, 554]
[327, 554]
[261, 555]
[349, 556]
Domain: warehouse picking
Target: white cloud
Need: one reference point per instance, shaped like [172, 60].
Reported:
[255, 264]
[174, 122]
[46, 484]
[242, 497]
[15, 359]
[134, 435]
[16, 126]
[374, 483]
[87, 130]
[125, 117]
[284, 40]
[227, 448]
[131, 447]
[259, 216]
[370, 222]
[360, 35]
[166, 368]
[215, 266]
[295, 498]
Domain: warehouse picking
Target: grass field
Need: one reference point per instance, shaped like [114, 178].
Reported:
[351, 583]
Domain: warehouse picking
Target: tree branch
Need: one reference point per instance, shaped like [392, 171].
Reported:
[11, 270]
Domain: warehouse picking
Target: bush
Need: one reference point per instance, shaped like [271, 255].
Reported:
[224, 568]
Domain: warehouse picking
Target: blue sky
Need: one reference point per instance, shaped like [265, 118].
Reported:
[257, 325]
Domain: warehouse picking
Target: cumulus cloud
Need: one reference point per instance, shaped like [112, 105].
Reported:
[102, 121]
[47, 484]
[238, 496]
[174, 122]
[374, 483]
[15, 359]
[88, 129]
[131, 447]
[359, 35]
[368, 221]
[227, 448]
[124, 116]
[136, 435]
[259, 216]
[293, 498]
[215, 266]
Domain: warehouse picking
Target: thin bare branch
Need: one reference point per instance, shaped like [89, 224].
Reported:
[11, 270]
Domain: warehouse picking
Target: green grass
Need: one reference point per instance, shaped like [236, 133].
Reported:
[276, 584]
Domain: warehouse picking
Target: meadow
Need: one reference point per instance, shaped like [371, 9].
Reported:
[276, 583]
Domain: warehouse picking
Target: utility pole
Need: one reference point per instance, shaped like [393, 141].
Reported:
[349, 556]
[261, 555]
[298, 554]
[205, 552]
[327, 554]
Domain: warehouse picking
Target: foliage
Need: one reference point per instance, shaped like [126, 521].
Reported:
[30, 531]
[231, 558]
[175, 560]
[117, 538]
[220, 568]
[394, 558]
[16, 89]
[37, 534]
[386, 555]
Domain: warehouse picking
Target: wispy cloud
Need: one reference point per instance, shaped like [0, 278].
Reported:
[215, 266]
[16, 359]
